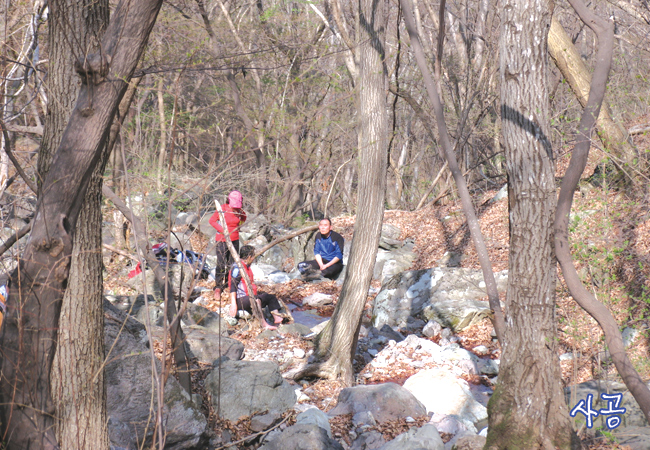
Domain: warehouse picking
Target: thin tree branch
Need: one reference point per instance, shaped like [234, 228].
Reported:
[461, 183]
[286, 238]
[13, 159]
[6, 245]
[178, 339]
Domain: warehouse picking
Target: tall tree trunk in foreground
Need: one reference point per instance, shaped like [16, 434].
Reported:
[338, 341]
[29, 333]
[77, 379]
[527, 410]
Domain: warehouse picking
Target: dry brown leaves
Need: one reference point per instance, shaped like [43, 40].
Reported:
[342, 425]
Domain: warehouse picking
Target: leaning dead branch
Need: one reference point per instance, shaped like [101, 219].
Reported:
[286, 238]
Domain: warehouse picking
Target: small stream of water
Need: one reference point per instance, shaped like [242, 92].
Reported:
[307, 317]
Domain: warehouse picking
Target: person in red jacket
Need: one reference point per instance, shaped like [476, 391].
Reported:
[235, 217]
[240, 298]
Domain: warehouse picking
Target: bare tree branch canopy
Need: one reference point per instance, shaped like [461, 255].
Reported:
[37, 285]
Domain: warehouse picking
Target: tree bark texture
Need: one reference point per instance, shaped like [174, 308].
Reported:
[338, 340]
[74, 30]
[566, 57]
[77, 379]
[30, 329]
[527, 409]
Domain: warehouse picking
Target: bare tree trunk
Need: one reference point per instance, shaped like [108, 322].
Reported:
[30, 329]
[527, 409]
[338, 341]
[77, 379]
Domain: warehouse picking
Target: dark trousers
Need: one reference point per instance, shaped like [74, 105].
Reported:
[224, 260]
[270, 300]
[331, 272]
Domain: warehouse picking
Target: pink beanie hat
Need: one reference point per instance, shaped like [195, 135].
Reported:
[235, 199]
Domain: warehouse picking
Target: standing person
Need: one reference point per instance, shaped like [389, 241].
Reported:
[328, 252]
[235, 217]
[240, 298]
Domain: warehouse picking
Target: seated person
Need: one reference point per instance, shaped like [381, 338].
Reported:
[239, 296]
[328, 253]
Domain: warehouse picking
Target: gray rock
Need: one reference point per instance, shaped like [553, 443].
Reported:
[153, 309]
[633, 416]
[208, 346]
[481, 350]
[256, 225]
[181, 241]
[279, 277]
[432, 329]
[275, 256]
[450, 259]
[205, 228]
[130, 400]
[503, 193]
[302, 437]
[386, 402]
[302, 247]
[489, 367]
[425, 437]
[192, 219]
[261, 272]
[442, 294]
[317, 299]
[390, 334]
[199, 315]
[390, 231]
[368, 441]
[567, 356]
[317, 417]
[470, 442]
[441, 392]
[629, 335]
[391, 262]
[636, 438]
[364, 418]
[265, 421]
[295, 328]
[248, 387]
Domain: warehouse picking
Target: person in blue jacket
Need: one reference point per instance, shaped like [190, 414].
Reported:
[328, 253]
